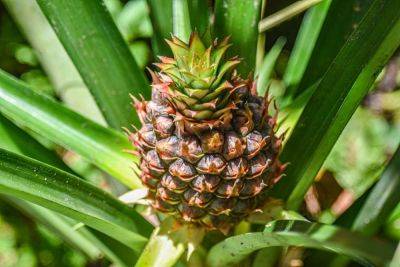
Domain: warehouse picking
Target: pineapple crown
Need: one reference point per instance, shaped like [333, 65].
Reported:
[194, 79]
[196, 66]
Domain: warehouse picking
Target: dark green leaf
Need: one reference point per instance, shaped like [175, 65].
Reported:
[342, 18]
[337, 96]
[104, 147]
[239, 20]
[161, 18]
[58, 225]
[100, 54]
[200, 18]
[16, 140]
[304, 234]
[46, 186]
[382, 200]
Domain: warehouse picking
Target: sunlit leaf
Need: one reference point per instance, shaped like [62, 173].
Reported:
[69, 195]
[242, 29]
[304, 234]
[104, 147]
[337, 97]
[100, 54]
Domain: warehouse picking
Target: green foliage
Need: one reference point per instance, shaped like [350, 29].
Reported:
[161, 18]
[26, 244]
[102, 146]
[306, 234]
[268, 66]
[71, 196]
[108, 68]
[306, 38]
[242, 29]
[360, 153]
[319, 67]
[334, 99]
[342, 19]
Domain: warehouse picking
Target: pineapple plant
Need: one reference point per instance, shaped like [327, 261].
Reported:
[208, 142]
[208, 172]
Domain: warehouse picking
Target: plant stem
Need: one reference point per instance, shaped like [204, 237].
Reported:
[286, 14]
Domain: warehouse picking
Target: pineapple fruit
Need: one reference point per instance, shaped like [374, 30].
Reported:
[208, 149]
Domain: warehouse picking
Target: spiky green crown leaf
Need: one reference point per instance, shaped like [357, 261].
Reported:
[196, 77]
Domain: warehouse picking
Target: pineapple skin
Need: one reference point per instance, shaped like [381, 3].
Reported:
[207, 147]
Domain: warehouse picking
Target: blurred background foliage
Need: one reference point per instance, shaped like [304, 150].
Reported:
[353, 166]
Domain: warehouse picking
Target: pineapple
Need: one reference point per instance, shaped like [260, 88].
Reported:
[208, 149]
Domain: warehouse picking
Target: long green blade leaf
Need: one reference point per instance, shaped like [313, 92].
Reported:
[200, 18]
[337, 97]
[304, 234]
[306, 38]
[161, 18]
[46, 186]
[104, 147]
[396, 258]
[382, 200]
[181, 20]
[58, 225]
[378, 205]
[268, 64]
[100, 54]
[239, 20]
[16, 140]
[53, 58]
[342, 19]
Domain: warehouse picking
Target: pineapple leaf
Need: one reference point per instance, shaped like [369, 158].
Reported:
[380, 202]
[239, 20]
[69, 195]
[161, 18]
[181, 20]
[104, 147]
[337, 97]
[59, 225]
[396, 258]
[268, 64]
[306, 38]
[305, 234]
[87, 241]
[16, 140]
[200, 19]
[100, 54]
[342, 19]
